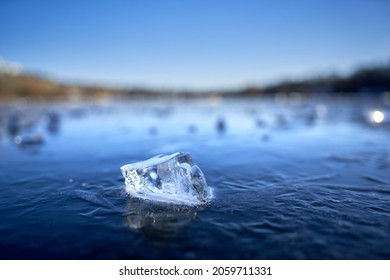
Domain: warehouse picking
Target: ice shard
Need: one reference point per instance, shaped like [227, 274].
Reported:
[167, 178]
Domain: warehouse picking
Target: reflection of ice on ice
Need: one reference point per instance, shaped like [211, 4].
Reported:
[168, 178]
[159, 221]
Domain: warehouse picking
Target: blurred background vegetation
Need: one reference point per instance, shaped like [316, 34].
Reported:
[367, 80]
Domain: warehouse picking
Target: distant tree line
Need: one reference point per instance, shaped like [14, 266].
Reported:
[365, 80]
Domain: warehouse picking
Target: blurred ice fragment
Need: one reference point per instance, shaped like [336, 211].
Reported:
[221, 125]
[29, 139]
[311, 117]
[281, 120]
[53, 122]
[167, 178]
[13, 126]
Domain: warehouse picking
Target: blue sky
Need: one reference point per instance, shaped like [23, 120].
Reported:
[193, 44]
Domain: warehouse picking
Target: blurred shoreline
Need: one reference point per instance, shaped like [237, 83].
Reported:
[373, 81]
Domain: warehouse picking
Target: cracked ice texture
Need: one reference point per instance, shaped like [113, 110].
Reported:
[168, 178]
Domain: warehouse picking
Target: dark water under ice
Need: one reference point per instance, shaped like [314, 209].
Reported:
[292, 179]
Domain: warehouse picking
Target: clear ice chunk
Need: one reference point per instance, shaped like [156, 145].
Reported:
[167, 178]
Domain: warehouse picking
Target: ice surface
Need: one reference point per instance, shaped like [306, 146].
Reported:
[168, 178]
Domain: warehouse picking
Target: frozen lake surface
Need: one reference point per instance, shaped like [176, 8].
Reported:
[291, 178]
